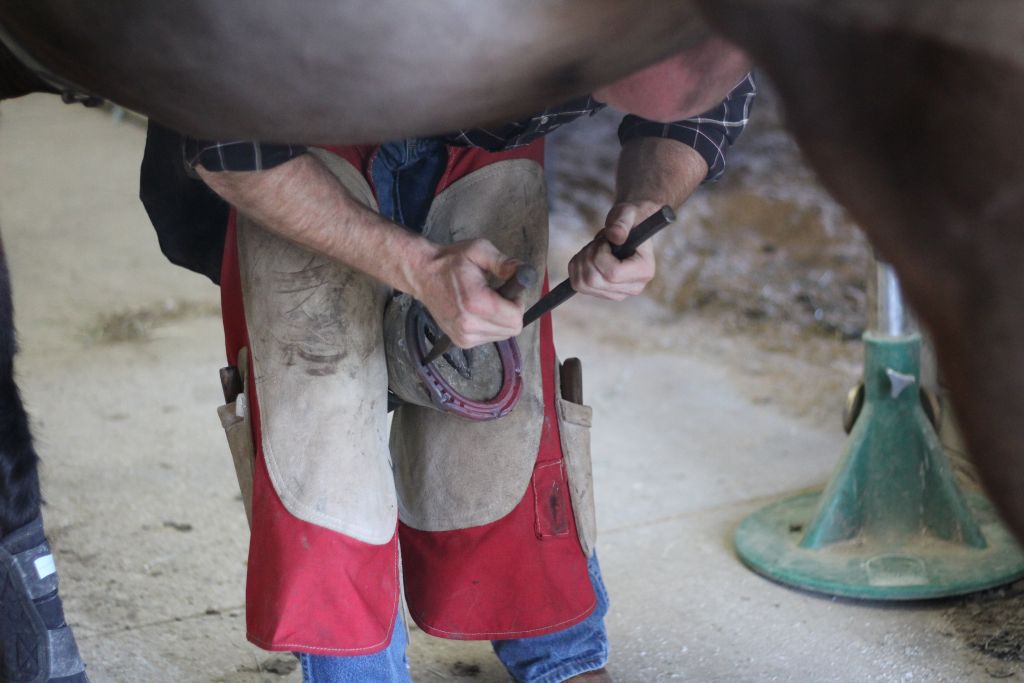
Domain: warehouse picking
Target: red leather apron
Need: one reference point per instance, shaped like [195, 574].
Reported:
[314, 590]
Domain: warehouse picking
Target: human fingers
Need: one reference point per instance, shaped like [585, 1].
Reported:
[473, 312]
[587, 279]
[595, 271]
[620, 220]
[491, 259]
[638, 268]
[483, 316]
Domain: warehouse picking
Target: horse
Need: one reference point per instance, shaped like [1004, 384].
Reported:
[883, 97]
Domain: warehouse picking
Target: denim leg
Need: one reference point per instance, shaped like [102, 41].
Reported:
[390, 157]
[387, 666]
[555, 657]
[405, 174]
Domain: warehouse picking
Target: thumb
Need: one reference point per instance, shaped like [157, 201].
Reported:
[620, 221]
[489, 258]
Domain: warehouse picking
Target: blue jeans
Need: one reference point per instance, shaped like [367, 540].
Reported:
[405, 174]
[551, 658]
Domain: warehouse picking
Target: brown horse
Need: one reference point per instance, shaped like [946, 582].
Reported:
[340, 71]
[905, 109]
[314, 72]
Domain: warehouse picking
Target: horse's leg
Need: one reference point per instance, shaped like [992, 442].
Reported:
[36, 645]
[19, 479]
[916, 134]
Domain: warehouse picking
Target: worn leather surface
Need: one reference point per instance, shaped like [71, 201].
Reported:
[315, 328]
[574, 423]
[452, 473]
[234, 418]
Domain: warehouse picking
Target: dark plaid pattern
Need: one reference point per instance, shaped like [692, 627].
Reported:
[238, 155]
[519, 133]
[710, 133]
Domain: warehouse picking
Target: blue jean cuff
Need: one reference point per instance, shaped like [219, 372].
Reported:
[574, 667]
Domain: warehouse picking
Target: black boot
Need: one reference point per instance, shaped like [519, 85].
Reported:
[36, 645]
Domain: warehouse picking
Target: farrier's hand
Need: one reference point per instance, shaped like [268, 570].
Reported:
[595, 271]
[453, 285]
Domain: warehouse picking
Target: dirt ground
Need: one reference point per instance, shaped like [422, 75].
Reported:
[716, 394]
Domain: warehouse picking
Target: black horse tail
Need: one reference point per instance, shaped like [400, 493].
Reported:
[16, 79]
[19, 464]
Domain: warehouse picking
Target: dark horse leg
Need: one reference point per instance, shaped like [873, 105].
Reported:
[36, 645]
[19, 478]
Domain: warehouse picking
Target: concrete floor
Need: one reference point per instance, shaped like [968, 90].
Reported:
[694, 430]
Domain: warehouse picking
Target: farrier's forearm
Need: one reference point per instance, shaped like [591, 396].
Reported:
[302, 201]
[658, 171]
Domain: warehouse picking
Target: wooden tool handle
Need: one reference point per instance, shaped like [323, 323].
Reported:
[572, 380]
[524, 278]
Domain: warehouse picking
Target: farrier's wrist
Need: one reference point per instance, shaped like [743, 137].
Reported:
[630, 212]
[414, 265]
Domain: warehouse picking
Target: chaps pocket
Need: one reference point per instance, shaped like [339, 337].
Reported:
[234, 418]
[574, 422]
[550, 501]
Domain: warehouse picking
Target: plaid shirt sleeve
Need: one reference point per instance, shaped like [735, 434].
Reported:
[710, 133]
[237, 155]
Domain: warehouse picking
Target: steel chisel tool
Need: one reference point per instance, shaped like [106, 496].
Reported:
[637, 236]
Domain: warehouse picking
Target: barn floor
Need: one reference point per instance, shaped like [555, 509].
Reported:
[699, 422]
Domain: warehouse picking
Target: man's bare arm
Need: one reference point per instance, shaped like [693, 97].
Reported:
[302, 201]
[652, 172]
